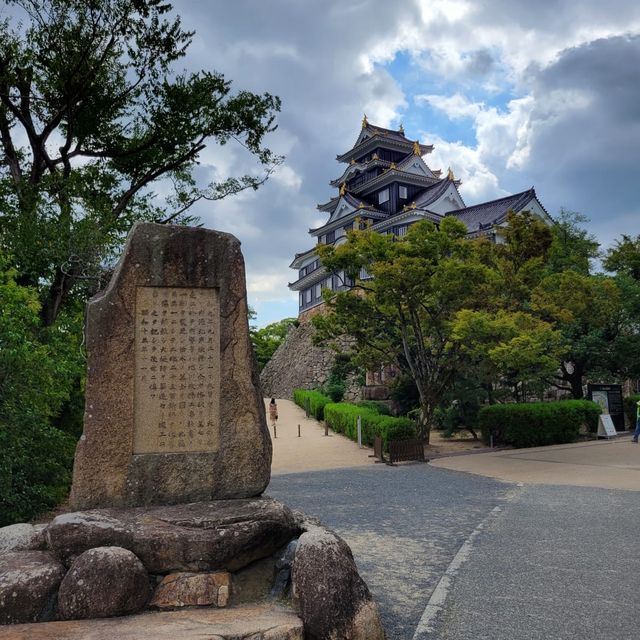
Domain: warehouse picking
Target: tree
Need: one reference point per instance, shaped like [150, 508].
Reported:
[514, 348]
[93, 114]
[624, 257]
[38, 369]
[572, 246]
[588, 311]
[404, 315]
[268, 339]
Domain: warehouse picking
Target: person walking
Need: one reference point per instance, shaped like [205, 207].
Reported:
[636, 433]
[273, 412]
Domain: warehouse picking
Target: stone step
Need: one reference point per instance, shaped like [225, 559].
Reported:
[274, 622]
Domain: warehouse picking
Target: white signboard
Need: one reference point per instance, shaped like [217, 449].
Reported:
[606, 429]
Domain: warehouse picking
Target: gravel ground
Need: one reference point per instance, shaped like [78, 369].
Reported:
[404, 525]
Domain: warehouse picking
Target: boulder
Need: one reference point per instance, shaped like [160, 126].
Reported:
[103, 582]
[333, 600]
[192, 589]
[210, 536]
[29, 581]
[21, 537]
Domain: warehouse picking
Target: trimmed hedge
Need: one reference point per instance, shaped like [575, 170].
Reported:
[375, 405]
[630, 409]
[317, 401]
[537, 424]
[343, 418]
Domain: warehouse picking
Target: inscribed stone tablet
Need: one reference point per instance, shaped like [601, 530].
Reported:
[177, 370]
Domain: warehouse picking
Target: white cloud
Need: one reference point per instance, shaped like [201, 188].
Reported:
[568, 124]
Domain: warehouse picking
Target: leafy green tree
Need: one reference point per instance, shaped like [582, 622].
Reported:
[268, 339]
[588, 311]
[520, 258]
[38, 369]
[624, 257]
[572, 246]
[405, 314]
[93, 114]
[514, 348]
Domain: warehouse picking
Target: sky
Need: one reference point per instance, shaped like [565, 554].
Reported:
[511, 93]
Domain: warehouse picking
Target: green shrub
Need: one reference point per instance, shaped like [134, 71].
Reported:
[317, 401]
[336, 391]
[38, 370]
[343, 418]
[375, 405]
[538, 423]
[630, 409]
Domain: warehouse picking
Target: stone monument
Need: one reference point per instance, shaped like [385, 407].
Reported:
[170, 537]
[173, 410]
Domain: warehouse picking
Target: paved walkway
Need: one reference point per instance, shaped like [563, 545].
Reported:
[454, 556]
[312, 451]
[608, 464]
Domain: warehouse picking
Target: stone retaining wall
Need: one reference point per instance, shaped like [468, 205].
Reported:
[299, 364]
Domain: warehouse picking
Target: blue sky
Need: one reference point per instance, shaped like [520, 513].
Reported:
[511, 93]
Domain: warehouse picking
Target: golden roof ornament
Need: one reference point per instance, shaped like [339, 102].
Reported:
[353, 160]
[413, 205]
[361, 205]
[416, 148]
[392, 166]
[401, 129]
[365, 122]
[450, 175]
[343, 188]
[375, 157]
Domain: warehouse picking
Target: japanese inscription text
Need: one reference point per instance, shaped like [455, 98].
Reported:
[177, 370]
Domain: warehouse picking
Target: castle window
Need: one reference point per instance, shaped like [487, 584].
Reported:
[403, 192]
[301, 299]
[318, 291]
[383, 196]
[307, 296]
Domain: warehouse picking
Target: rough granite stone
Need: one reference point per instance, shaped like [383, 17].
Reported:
[333, 600]
[29, 581]
[21, 537]
[236, 463]
[210, 536]
[192, 589]
[254, 582]
[248, 622]
[103, 582]
[298, 363]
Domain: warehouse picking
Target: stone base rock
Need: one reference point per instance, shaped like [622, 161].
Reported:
[332, 598]
[192, 589]
[250, 622]
[22, 537]
[103, 582]
[29, 581]
[202, 536]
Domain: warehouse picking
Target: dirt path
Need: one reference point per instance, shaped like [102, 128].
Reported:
[312, 451]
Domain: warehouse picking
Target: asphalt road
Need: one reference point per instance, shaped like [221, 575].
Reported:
[539, 561]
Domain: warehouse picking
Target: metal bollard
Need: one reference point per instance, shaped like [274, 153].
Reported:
[298, 431]
[275, 430]
[360, 432]
[326, 429]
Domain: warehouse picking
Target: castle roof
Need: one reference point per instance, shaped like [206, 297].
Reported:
[372, 136]
[494, 212]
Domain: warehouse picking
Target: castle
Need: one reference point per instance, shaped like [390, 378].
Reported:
[388, 186]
